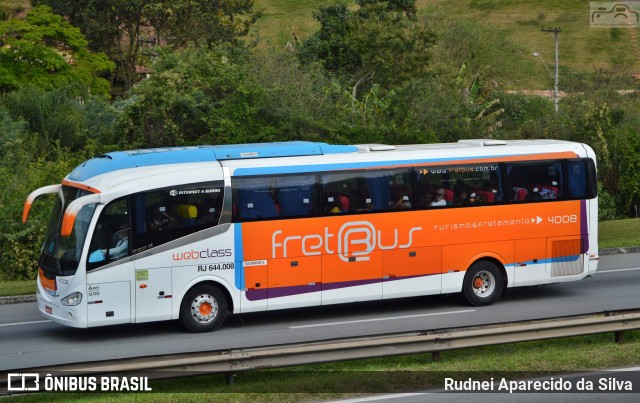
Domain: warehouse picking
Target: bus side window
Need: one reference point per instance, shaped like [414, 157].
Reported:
[163, 215]
[367, 191]
[537, 181]
[253, 199]
[432, 187]
[110, 240]
[579, 185]
[296, 195]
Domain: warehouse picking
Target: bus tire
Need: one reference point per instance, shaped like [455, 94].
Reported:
[483, 283]
[203, 308]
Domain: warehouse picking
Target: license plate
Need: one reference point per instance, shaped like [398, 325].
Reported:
[48, 310]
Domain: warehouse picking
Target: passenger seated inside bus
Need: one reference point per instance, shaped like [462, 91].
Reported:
[401, 197]
[474, 199]
[365, 203]
[462, 198]
[439, 200]
[208, 213]
[337, 204]
[186, 213]
[118, 245]
[159, 219]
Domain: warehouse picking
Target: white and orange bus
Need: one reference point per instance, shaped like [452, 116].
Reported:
[193, 233]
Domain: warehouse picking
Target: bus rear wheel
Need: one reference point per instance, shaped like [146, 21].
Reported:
[483, 283]
[203, 308]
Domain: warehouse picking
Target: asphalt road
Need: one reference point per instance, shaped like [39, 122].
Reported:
[28, 340]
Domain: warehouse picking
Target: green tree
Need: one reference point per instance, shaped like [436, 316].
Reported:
[184, 22]
[119, 27]
[44, 50]
[66, 117]
[379, 43]
[195, 96]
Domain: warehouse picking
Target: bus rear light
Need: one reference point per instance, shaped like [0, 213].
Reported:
[72, 299]
[594, 256]
[48, 309]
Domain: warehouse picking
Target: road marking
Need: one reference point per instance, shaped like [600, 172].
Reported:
[24, 323]
[381, 397]
[381, 319]
[616, 270]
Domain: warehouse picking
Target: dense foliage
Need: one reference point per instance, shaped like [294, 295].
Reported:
[45, 51]
[122, 28]
[375, 71]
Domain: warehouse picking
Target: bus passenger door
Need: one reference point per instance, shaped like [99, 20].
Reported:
[294, 282]
[153, 294]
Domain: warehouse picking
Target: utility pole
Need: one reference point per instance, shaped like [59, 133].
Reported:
[556, 31]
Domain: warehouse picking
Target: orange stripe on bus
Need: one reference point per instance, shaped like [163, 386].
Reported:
[25, 211]
[67, 224]
[67, 182]
[49, 284]
[398, 244]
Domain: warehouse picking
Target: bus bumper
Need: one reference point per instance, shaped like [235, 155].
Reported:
[50, 308]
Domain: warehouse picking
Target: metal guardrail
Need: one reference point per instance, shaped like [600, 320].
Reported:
[431, 341]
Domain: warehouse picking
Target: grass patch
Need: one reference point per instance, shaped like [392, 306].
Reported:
[8, 288]
[619, 233]
[391, 375]
[581, 48]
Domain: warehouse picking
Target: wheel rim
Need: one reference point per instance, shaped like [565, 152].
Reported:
[483, 284]
[204, 308]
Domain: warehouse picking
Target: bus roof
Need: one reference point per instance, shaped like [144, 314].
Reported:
[176, 155]
[108, 169]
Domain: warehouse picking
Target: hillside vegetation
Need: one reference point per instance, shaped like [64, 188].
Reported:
[583, 49]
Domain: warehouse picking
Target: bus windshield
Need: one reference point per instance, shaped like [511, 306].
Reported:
[61, 255]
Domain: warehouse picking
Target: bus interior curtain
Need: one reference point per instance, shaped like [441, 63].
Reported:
[577, 179]
[256, 203]
[140, 207]
[379, 191]
[294, 196]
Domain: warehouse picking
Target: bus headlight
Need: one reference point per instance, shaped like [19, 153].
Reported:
[72, 299]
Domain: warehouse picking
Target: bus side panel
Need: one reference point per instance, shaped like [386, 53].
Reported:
[411, 272]
[109, 303]
[109, 295]
[567, 262]
[530, 261]
[153, 293]
[363, 277]
[213, 259]
[294, 282]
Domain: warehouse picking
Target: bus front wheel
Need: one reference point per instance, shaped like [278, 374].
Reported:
[483, 283]
[203, 308]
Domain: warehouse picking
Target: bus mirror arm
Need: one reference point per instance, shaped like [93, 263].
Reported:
[72, 211]
[34, 195]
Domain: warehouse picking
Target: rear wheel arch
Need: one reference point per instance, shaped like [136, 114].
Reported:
[484, 282]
